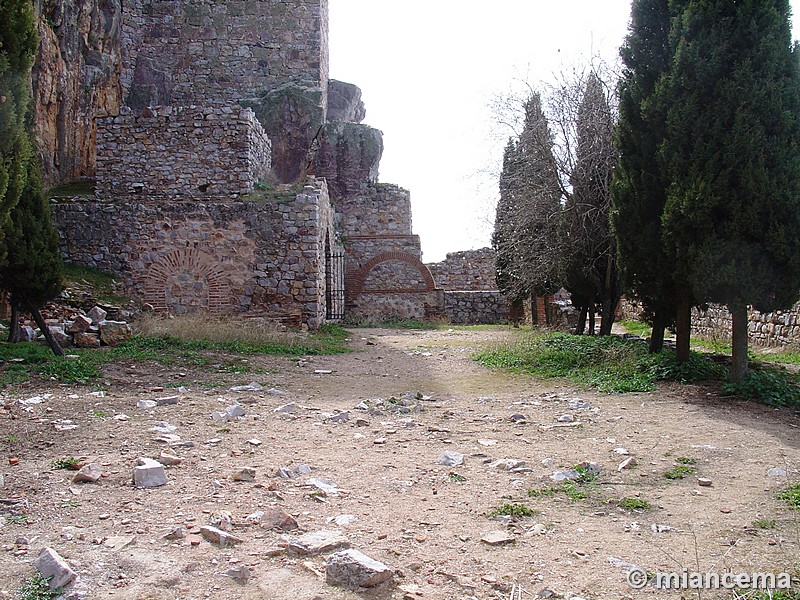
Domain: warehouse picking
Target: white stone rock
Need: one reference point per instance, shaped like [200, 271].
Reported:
[149, 474]
[317, 542]
[88, 474]
[217, 536]
[450, 458]
[50, 564]
[354, 569]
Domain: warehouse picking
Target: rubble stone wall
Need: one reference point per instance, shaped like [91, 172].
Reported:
[472, 307]
[181, 152]
[466, 270]
[775, 329]
[264, 257]
[184, 53]
[382, 209]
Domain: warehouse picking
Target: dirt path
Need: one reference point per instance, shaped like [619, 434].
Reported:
[423, 519]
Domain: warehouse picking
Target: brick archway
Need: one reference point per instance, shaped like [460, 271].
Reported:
[358, 278]
[208, 281]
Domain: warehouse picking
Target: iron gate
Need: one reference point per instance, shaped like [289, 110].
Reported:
[334, 285]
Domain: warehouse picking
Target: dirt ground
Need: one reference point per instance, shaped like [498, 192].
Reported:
[422, 519]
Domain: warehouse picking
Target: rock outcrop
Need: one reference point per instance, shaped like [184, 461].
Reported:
[344, 102]
[348, 157]
[76, 74]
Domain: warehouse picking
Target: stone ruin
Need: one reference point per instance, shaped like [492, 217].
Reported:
[230, 173]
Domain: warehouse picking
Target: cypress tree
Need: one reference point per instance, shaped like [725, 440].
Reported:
[18, 43]
[639, 188]
[526, 236]
[590, 263]
[732, 152]
[32, 272]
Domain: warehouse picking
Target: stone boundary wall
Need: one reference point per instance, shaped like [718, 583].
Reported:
[196, 152]
[266, 258]
[184, 53]
[466, 270]
[476, 307]
[770, 330]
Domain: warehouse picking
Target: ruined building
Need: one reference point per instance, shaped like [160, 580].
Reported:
[230, 173]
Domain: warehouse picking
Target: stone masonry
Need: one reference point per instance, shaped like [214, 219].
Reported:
[182, 151]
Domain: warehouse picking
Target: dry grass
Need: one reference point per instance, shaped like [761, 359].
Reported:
[222, 329]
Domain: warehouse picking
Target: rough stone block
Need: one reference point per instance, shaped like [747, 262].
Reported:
[317, 542]
[50, 564]
[113, 333]
[355, 569]
[80, 324]
[97, 315]
[86, 340]
[149, 474]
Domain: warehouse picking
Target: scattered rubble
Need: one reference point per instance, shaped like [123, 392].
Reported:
[354, 569]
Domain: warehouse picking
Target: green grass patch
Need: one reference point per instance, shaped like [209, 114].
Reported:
[17, 519]
[514, 510]
[391, 322]
[685, 460]
[679, 472]
[37, 587]
[765, 385]
[775, 595]
[72, 189]
[637, 328]
[764, 524]
[69, 463]
[608, 363]
[634, 504]
[103, 285]
[456, 478]
[791, 496]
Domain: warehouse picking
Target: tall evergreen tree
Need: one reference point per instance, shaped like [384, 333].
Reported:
[18, 42]
[732, 153]
[639, 187]
[526, 236]
[590, 264]
[32, 271]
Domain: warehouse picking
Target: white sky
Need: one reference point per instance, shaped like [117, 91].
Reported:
[429, 70]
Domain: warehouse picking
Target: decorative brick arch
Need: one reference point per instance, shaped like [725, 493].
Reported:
[358, 278]
[205, 267]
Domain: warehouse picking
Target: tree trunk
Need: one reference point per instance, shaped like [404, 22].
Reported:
[546, 306]
[591, 318]
[581, 325]
[609, 299]
[532, 307]
[51, 341]
[683, 327]
[739, 356]
[657, 337]
[14, 333]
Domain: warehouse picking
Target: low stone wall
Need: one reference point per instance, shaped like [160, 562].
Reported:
[378, 305]
[775, 329]
[466, 270]
[476, 307]
[195, 152]
[235, 256]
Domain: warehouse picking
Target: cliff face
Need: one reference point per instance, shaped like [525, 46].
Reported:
[76, 74]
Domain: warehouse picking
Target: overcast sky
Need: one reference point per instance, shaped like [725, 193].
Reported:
[429, 71]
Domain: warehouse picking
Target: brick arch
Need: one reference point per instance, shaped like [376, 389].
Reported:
[359, 277]
[187, 260]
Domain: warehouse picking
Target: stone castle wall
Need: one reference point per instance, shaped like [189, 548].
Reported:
[205, 51]
[181, 152]
[466, 270]
[259, 255]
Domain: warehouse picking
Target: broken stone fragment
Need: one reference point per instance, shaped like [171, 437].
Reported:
[240, 574]
[113, 333]
[86, 340]
[149, 474]
[317, 542]
[244, 474]
[88, 474]
[52, 566]
[97, 315]
[80, 324]
[234, 411]
[176, 534]
[450, 458]
[275, 518]
[169, 460]
[217, 536]
[498, 538]
[354, 569]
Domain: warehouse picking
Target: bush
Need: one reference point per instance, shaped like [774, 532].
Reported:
[773, 388]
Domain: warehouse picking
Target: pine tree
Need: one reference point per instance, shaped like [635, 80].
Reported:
[18, 42]
[590, 265]
[639, 188]
[732, 152]
[32, 272]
